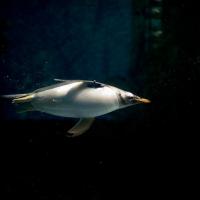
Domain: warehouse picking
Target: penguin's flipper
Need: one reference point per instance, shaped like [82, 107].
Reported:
[80, 127]
[59, 80]
[66, 81]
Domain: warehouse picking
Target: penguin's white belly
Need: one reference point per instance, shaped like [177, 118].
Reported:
[72, 101]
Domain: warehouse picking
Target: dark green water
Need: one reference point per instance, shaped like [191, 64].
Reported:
[132, 151]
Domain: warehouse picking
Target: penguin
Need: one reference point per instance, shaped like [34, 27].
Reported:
[83, 99]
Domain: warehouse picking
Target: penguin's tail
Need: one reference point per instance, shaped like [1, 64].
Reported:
[12, 96]
[22, 101]
[19, 98]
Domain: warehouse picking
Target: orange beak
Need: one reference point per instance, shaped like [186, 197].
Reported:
[143, 100]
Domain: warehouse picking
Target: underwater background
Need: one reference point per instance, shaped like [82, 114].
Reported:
[148, 47]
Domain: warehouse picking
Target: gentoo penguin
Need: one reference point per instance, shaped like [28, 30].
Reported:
[78, 99]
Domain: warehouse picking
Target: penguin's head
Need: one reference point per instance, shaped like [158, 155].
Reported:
[129, 99]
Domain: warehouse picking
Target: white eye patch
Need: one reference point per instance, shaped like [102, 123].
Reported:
[129, 95]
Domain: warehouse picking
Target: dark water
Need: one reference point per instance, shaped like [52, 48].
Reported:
[127, 153]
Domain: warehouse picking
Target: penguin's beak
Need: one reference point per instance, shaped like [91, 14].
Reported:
[142, 100]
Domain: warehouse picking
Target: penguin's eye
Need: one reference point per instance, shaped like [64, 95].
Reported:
[130, 97]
